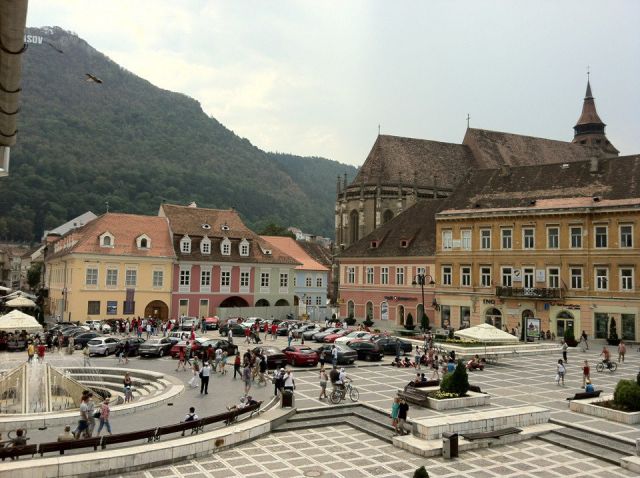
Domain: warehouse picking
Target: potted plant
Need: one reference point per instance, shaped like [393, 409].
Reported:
[613, 333]
[368, 321]
[456, 382]
[408, 324]
[350, 320]
[569, 338]
[424, 322]
[421, 473]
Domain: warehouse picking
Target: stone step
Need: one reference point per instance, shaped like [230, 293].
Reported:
[609, 443]
[590, 449]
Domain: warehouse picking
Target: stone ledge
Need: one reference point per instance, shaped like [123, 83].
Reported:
[631, 463]
[473, 400]
[589, 407]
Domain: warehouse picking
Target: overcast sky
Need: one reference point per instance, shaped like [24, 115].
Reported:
[318, 77]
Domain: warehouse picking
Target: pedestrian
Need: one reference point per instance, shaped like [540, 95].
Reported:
[560, 369]
[218, 358]
[66, 435]
[324, 378]
[128, 388]
[83, 421]
[289, 382]
[223, 362]
[204, 378]
[290, 338]
[622, 349]
[247, 335]
[397, 349]
[181, 360]
[104, 417]
[274, 331]
[41, 351]
[266, 328]
[91, 414]
[236, 366]
[435, 367]
[126, 350]
[86, 356]
[322, 358]
[564, 350]
[278, 381]
[403, 409]
[230, 335]
[246, 378]
[334, 355]
[187, 353]
[418, 356]
[586, 372]
[584, 338]
[262, 366]
[31, 350]
[395, 409]
[193, 383]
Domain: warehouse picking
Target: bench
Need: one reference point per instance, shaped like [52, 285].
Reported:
[195, 426]
[489, 435]
[148, 435]
[428, 383]
[583, 395]
[415, 397]
[14, 452]
[62, 446]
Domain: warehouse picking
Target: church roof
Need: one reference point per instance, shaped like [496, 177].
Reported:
[493, 149]
[589, 114]
[408, 161]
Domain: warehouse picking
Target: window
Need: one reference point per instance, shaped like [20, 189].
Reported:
[528, 238]
[446, 275]
[553, 238]
[576, 237]
[351, 275]
[185, 277]
[421, 270]
[244, 248]
[602, 278]
[626, 278]
[106, 241]
[225, 247]
[112, 277]
[158, 278]
[576, 277]
[92, 276]
[143, 241]
[507, 276]
[485, 276]
[447, 240]
[485, 238]
[384, 275]
[307, 300]
[319, 280]
[93, 307]
[507, 238]
[264, 279]
[466, 239]
[369, 275]
[185, 245]
[626, 236]
[143, 244]
[131, 277]
[465, 276]
[601, 236]
[225, 279]
[205, 278]
[295, 281]
[205, 245]
[308, 281]
[318, 300]
[553, 278]
[399, 275]
[528, 274]
[284, 280]
[244, 279]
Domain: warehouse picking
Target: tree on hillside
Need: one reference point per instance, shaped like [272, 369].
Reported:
[273, 229]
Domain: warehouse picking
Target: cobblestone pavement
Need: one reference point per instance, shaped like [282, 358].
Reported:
[342, 452]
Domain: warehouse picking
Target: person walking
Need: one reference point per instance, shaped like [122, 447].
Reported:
[246, 378]
[274, 331]
[324, 378]
[395, 409]
[223, 363]
[560, 371]
[31, 350]
[236, 366]
[622, 349]
[40, 350]
[193, 382]
[104, 417]
[91, 414]
[334, 355]
[205, 373]
[181, 360]
[418, 357]
[403, 409]
[290, 337]
[565, 347]
[584, 338]
[289, 382]
[128, 390]
[247, 335]
[83, 421]
[86, 354]
[262, 370]
[586, 372]
[126, 350]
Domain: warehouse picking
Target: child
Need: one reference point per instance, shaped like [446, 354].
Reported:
[586, 373]
[560, 372]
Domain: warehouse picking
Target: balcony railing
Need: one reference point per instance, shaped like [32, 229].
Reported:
[529, 292]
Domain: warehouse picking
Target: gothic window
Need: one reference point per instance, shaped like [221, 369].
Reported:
[354, 224]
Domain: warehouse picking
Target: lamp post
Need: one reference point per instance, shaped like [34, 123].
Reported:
[422, 280]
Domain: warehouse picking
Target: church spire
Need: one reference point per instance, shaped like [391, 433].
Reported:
[589, 129]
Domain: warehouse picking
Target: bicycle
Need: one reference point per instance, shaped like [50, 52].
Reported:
[340, 394]
[612, 366]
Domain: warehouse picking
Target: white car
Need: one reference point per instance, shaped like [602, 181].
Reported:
[352, 336]
[98, 325]
[102, 346]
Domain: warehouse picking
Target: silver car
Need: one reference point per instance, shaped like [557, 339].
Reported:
[102, 346]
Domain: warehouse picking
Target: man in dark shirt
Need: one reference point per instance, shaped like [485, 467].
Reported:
[402, 417]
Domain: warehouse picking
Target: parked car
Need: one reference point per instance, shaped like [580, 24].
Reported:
[189, 323]
[211, 323]
[81, 340]
[297, 333]
[367, 350]
[389, 345]
[308, 334]
[237, 330]
[301, 355]
[275, 357]
[202, 343]
[355, 335]
[102, 345]
[331, 338]
[94, 324]
[319, 336]
[177, 335]
[346, 355]
[156, 346]
[134, 345]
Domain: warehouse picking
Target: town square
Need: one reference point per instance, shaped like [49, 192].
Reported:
[299, 239]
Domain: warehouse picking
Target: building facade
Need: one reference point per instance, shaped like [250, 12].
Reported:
[117, 265]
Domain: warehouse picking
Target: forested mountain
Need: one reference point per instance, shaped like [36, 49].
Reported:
[125, 141]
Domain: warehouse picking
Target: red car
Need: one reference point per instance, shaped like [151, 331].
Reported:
[301, 355]
[329, 339]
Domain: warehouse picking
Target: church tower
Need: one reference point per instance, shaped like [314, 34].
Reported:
[589, 130]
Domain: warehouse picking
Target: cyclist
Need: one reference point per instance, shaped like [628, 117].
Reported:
[342, 379]
[606, 355]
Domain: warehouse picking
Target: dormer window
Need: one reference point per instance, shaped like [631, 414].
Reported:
[374, 244]
[404, 243]
[185, 244]
[225, 247]
[206, 226]
[244, 248]
[143, 242]
[107, 240]
[205, 245]
[225, 227]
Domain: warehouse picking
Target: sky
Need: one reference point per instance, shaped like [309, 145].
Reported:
[318, 78]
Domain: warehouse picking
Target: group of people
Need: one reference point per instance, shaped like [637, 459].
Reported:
[89, 413]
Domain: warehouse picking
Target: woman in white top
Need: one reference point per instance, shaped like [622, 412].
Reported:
[289, 382]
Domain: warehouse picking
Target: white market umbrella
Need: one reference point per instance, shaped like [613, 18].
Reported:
[20, 302]
[5, 289]
[486, 333]
[16, 320]
[19, 293]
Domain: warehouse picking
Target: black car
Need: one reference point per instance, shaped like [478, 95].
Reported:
[157, 346]
[346, 355]
[80, 341]
[236, 329]
[224, 345]
[283, 327]
[389, 345]
[134, 345]
[367, 350]
[275, 357]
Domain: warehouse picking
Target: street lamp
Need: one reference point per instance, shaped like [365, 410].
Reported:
[422, 280]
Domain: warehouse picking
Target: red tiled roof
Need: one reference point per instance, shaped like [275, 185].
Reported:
[291, 247]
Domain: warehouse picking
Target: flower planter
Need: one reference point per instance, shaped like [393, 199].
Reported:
[591, 407]
[472, 399]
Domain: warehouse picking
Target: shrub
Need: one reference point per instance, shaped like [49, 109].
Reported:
[421, 473]
[408, 324]
[440, 395]
[456, 382]
[627, 395]
[350, 320]
[613, 331]
[424, 321]
[368, 322]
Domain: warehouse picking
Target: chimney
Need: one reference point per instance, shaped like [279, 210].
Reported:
[594, 166]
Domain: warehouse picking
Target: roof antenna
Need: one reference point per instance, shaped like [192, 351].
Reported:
[378, 129]
[106, 203]
[468, 118]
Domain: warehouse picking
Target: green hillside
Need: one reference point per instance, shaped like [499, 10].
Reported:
[125, 141]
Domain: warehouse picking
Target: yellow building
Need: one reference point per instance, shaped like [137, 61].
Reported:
[116, 266]
[512, 247]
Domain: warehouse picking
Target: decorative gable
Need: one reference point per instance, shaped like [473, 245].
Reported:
[244, 248]
[205, 245]
[185, 244]
[143, 242]
[225, 247]
[107, 239]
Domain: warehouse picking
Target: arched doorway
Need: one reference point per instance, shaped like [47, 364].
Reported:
[234, 301]
[157, 309]
[494, 317]
[351, 307]
[354, 224]
[387, 216]
[282, 302]
[296, 300]
[262, 303]
[400, 315]
[564, 321]
[369, 311]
